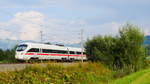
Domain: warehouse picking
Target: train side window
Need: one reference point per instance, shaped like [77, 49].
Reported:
[54, 51]
[34, 50]
[78, 52]
[46, 51]
[62, 52]
[71, 52]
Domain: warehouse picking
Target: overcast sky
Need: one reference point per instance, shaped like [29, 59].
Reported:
[62, 20]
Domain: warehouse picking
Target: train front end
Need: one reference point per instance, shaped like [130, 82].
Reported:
[20, 51]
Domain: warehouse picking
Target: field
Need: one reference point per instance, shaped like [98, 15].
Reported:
[141, 77]
[87, 73]
[76, 73]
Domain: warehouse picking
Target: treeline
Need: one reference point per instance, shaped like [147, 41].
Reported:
[7, 56]
[122, 52]
[148, 49]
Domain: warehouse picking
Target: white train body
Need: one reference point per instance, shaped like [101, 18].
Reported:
[27, 51]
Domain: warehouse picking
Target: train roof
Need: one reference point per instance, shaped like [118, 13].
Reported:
[41, 45]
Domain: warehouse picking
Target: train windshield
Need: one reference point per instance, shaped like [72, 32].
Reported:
[21, 47]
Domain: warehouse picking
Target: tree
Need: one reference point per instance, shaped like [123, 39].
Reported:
[8, 55]
[121, 51]
[132, 50]
[148, 49]
[100, 49]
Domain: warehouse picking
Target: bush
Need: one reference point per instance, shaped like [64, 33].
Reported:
[7, 56]
[148, 49]
[121, 51]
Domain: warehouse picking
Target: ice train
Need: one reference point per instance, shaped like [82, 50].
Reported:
[37, 51]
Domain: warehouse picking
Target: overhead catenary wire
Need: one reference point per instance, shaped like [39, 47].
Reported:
[48, 36]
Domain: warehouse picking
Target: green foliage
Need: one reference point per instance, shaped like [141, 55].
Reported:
[7, 56]
[148, 49]
[132, 51]
[100, 49]
[87, 73]
[141, 77]
[120, 52]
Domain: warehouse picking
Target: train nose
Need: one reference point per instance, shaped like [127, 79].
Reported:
[18, 55]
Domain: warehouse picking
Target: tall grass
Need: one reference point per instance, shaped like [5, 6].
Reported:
[87, 73]
[133, 78]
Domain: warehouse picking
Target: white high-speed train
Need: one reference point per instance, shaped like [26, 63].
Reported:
[37, 51]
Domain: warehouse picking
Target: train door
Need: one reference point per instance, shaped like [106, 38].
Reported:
[40, 54]
[72, 55]
[68, 53]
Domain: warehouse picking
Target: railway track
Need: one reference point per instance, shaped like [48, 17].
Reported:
[19, 66]
[12, 67]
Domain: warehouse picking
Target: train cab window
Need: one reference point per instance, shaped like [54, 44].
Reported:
[33, 50]
[21, 47]
[78, 52]
[71, 52]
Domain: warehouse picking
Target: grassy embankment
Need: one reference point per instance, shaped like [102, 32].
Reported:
[87, 73]
[141, 77]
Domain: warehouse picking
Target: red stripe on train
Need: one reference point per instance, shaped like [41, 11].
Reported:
[29, 53]
[50, 54]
